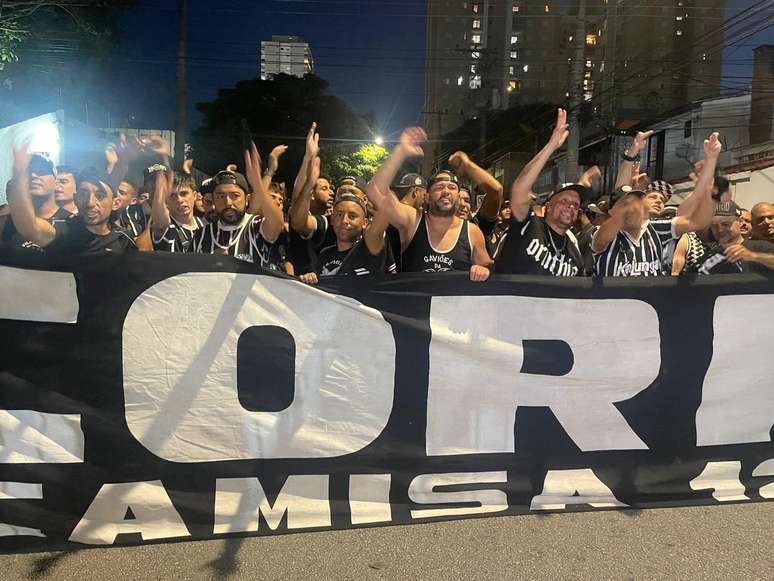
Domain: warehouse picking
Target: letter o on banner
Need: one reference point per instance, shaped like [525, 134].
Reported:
[180, 370]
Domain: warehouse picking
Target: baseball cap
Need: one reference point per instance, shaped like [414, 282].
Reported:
[96, 177]
[600, 206]
[351, 179]
[411, 180]
[662, 187]
[207, 187]
[40, 166]
[727, 209]
[438, 177]
[584, 192]
[230, 177]
[622, 192]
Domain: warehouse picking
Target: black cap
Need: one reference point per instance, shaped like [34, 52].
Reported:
[437, 178]
[411, 180]
[40, 166]
[584, 192]
[230, 177]
[600, 207]
[207, 187]
[622, 192]
[95, 177]
[727, 209]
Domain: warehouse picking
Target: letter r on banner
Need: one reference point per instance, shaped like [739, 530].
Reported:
[181, 392]
[617, 353]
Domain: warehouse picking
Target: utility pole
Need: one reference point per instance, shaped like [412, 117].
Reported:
[576, 95]
[181, 124]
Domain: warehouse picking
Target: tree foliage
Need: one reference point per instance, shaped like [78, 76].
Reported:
[270, 112]
[361, 163]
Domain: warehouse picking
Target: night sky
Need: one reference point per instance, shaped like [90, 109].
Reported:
[372, 53]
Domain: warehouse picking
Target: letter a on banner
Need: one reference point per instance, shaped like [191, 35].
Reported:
[181, 397]
[616, 350]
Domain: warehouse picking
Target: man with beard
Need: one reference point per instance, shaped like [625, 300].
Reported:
[174, 223]
[763, 222]
[360, 248]
[64, 190]
[88, 232]
[437, 241]
[541, 244]
[730, 253]
[745, 227]
[630, 244]
[248, 223]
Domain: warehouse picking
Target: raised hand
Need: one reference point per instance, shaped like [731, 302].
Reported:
[312, 142]
[411, 141]
[21, 161]
[588, 177]
[712, 146]
[253, 167]
[640, 142]
[274, 156]
[158, 145]
[459, 161]
[111, 156]
[561, 130]
[314, 171]
[188, 166]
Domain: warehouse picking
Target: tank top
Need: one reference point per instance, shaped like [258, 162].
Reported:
[420, 256]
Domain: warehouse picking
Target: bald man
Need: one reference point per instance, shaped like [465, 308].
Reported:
[763, 222]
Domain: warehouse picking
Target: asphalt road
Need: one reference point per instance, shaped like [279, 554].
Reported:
[718, 542]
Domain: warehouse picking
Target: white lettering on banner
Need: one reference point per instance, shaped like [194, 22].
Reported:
[36, 295]
[32, 437]
[181, 395]
[20, 491]
[737, 405]
[563, 487]
[723, 479]
[422, 491]
[369, 498]
[239, 501]
[765, 468]
[155, 517]
[616, 348]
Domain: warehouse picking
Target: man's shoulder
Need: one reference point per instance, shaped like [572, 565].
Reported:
[761, 246]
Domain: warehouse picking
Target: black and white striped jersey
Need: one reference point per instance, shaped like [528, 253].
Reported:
[627, 256]
[178, 237]
[244, 241]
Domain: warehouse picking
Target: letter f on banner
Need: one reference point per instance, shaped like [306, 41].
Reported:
[616, 348]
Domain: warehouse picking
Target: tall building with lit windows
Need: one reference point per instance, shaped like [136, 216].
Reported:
[640, 57]
[289, 55]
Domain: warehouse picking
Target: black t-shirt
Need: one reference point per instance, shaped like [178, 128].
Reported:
[421, 256]
[713, 261]
[303, 251]
[72, 237]
[12, 237]
[393, 240]
[178, 237]
[243, 241]
[532, 247]
[357, 261]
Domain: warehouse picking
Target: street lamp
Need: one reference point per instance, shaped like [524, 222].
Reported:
[379, 140]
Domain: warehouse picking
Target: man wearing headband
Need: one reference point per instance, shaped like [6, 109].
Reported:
[41, 182]
[248, 223]
[360, 249]
[89, 232]
[631, 244]
[437, 241]
[542, 244]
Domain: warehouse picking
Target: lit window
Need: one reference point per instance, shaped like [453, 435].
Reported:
[476, 24]
[473, 69]
[511, 70]
[570, 38]
[475, 8]
[591, 39]
[515, 7]
[460, 80]
[588, 96]
[514, 54]
[679, 32]
[704, 56]
[512, 85]
[514, 39]
[446, 81]
[588, 64]
[475, 82]
[547, 8]
[476, 38]
[475, 55]
[679, 18]
[525, 68]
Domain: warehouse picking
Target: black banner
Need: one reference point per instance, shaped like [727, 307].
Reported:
[163, 397]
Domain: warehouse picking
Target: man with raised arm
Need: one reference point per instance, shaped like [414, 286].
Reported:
[439, 240]
[630, 244]
[542, 245]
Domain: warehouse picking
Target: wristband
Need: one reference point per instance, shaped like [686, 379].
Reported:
[630, 158]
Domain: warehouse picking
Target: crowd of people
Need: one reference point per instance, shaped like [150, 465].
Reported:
[457, 219]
